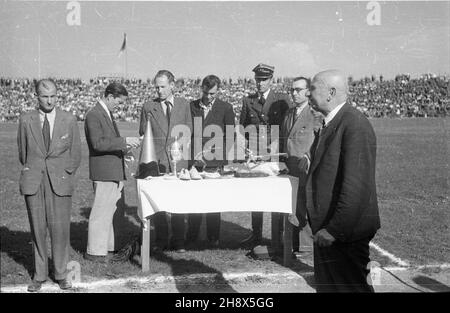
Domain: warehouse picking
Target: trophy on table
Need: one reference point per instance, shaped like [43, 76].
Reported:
[176, 154]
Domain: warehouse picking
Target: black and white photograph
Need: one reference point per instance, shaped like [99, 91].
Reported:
[224, 152]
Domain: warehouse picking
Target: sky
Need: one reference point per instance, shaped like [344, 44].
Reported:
[228, 39]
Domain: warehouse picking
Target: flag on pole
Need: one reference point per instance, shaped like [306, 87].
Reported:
[124, 45]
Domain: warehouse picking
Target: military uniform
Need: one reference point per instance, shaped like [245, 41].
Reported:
[262, 111]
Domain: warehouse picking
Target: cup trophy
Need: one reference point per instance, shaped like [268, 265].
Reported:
[176, 154]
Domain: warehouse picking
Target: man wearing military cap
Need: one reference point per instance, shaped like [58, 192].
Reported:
[265, 107]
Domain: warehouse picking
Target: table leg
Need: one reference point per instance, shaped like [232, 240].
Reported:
[145, 248]
[287, 240]
[276, 233]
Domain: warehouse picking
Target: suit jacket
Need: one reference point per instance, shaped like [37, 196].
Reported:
[164, 134]
[272, 112]
[60, 162]
[106, 148]
[341, 190]
[220, 114]
[297, 133]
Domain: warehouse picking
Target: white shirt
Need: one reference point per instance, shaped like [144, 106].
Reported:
[206, 108]
[332, 114]
[51, 119]
[299, 109]
[266, 94]
[163, 105]
[105, 107]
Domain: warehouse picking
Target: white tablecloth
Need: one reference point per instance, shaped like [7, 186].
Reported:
[265, 194]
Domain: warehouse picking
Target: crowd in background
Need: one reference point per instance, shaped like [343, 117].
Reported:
[427, 96]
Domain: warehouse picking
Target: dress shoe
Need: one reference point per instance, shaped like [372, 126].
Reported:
[95, 258]
[64, 284]
[179, 248]
[251, 241]
[35, 286]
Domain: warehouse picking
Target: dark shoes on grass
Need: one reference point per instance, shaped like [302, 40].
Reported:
[36, 285]
[64, 284]
[251, 241]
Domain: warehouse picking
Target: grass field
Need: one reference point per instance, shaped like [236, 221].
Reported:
[413, 192]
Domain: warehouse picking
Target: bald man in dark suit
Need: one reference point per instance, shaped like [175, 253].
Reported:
[341, 190]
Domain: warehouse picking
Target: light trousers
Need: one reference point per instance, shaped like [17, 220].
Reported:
[102, 235]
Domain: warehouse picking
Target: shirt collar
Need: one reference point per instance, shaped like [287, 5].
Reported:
[207, 106]
[170, 98]
[51, 114]
[333, 113]
[104, 107]
[266, 94]
[301, 107]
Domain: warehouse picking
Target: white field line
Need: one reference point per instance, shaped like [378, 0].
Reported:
[389, 255]
[155, 279]
[443, 266]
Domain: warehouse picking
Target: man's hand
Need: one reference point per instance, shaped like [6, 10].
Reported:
[132, 142]
[304, 164]
[323, 238]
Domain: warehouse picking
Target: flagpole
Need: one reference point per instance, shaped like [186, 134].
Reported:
[126, 63]
[39, 55]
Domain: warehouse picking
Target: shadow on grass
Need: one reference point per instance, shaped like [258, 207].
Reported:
[17, 244]
[431, 284]
[181, 267]
[231, 234]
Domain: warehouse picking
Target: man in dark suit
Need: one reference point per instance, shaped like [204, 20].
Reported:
[50, 153]
[168, 115]
[297, 136]
[106, 169]
[263, 109]
[208, 112]
[341, 192]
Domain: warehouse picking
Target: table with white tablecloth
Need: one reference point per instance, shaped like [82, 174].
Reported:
[225, 194]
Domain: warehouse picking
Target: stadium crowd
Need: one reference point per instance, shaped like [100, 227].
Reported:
[427, 96]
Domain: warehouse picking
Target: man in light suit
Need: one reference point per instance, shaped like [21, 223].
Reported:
[263, 108]
[297, 135]
[341, 191]
[106, 169]
[167, 112]
[50, 152]
[211, 111]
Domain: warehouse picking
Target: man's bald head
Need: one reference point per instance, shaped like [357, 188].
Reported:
[328, 90]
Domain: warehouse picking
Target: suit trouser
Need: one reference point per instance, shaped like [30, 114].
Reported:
[342, 267]
[162, 229]
[48, 210]
[302, 234]
[212, 226]
[103, 222]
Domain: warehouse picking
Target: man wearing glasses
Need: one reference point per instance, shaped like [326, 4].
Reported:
[297, 136]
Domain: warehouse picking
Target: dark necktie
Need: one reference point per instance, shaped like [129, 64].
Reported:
[46, 133]
[168, 110]
[114, 124]
[262, 100]
[317, 134]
